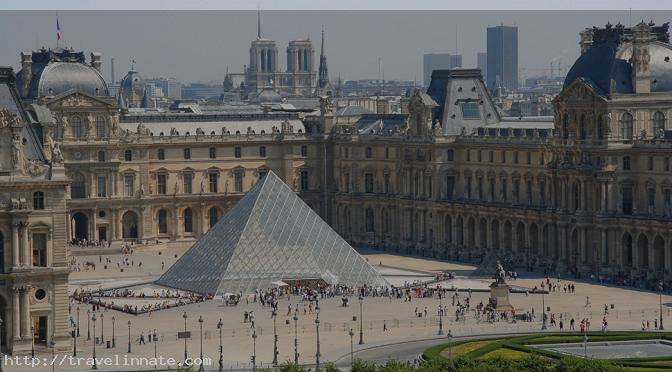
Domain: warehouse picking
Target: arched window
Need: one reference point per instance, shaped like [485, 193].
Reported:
[658, 122]
[76, 127]
[188, 221]
[369, 220]
[78, 188]
[600, 127]
[213, 214]
[626, 126]
[101, 155]
[582, 127]
[101, 128]
[565, 126]
[163, 221]
[128, 155]
[38, 200]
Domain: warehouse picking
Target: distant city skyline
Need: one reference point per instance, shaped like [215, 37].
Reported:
[199, 46]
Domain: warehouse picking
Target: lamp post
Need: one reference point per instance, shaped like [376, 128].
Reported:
[156, 341]
[200, 324]
[113, 341]
[129, 336]
[95, 366]
[220, 325]
[74, 343]
[184, 316]
[660, 288]
[102, 329]
[317, 329]
[77, 321]
[275, 338]
[32, 342]
[440, 314]
[296, 338]
[352, 348]
[361, 321]
[52, 343]
[543, 311]
[88, 326]
[254, 351]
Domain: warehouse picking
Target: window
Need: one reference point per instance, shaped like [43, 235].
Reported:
[480, 188]
[101, 155]
[212, 181]
[161, 154]
[504, 190]
[542, 158]
[516, 191]
[102, 186]
[515, 157]
[529, 192]
[161, 184]
[237, 152]
[542, 192]
[471, 110]
[262, 151]
[529, 157]
[450, 155]
[387, 183]
[304, 181]
[187, 183]
[187, 153]
[627, 200]
[238, 182]
[129, 188]
[188, 221]
[40, 250]
[76, 127]
[468, 187]
[503, 156]
[650, 163]
[626, 126]
[212, 152]
[582, 127]
[468, 155]
[565, 126]
[600, 127]
[368, 183]
[626, 163]
[480, 155]
[369, 220]
[163, 222]
[128, 155]
[658, 123]
[213, 216]
[78, 188]
[651, 196]
[450, 187]
[387, 153]
[101, 128]
[304, 150]
[368, 153]
[666, 164]
[38, 200]
[492, 189]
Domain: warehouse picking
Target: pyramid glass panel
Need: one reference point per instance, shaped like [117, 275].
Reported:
[270, 235]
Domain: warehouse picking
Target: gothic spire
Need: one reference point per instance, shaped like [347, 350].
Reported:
[323, 73]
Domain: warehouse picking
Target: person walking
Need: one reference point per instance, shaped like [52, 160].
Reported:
[384, 325]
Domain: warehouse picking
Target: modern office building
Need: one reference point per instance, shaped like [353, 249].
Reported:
[482, 63]
[502, 54]
[439, 61]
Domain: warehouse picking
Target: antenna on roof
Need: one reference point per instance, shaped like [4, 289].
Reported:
[258, 23]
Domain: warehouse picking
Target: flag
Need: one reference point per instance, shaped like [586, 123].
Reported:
[58, 30]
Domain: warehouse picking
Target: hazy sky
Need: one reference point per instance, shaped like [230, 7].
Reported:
[200, 45]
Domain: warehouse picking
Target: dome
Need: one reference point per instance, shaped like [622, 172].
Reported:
[660, 64]
[132, 88]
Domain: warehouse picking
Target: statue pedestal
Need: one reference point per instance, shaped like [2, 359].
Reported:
[499, 295]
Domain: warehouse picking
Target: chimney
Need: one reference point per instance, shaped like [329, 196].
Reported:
[96, 61]
[586, 40]
[27, 72]
[641, 76]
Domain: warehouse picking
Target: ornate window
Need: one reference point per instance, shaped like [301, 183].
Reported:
[102, 186]
[76, 127]
[369, 220]
[40, 250]
[262, 151]
[101, 155]
[78, 187]
[187, 183]
[450, 154]
[626, 163]
[237, 152]
[38, 200]
[238, 181]
[101, 127]
[658, 122]
[304, 151]
[161, 184]
[304, 180]
[212, 152]
[212, 181]
[213, 216]
[129, 187]
[187, 153]
[626, 126]
[368, 152]
[368, 183]
[128, 155]
[161, 154]
[188, 221]
[163, 221]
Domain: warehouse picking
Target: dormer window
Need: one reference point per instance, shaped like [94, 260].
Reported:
[470, 111]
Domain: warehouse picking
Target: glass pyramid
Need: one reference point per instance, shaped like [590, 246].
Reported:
[269, 235]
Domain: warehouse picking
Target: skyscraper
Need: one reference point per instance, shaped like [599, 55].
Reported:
[502, 57]
[440, 61]
[482, 63]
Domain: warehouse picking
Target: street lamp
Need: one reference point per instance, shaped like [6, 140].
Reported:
[220, 325]
[77, 321]
[361, 322]
[88, 327]
[352, 348]
[296, 338]
[274, 314]
[129, 336]
[184, 316]
[95, 366]
[156, 341]
[317, 329]
[113, 342]
[660, 288]
[200, 324]
[440, 314]
[543, 311]
[74, 339]
[52, 343]
[32, 342]
[254, 351]
[102, 329]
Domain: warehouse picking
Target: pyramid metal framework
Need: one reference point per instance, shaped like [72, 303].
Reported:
[269, 235]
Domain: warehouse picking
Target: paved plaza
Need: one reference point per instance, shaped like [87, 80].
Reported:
[630, 308]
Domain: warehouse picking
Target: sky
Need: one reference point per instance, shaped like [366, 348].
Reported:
[199, 45]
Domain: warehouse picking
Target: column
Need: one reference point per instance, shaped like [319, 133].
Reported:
[141, 223]
[26, 246]
[94, 223]
[113, 225]
[15, 244]
[175, 224]
[16, 312]
[605, 256]
[25, 313]
[582, 201]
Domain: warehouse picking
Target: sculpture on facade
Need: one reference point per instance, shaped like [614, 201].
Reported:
[56, 154]
[17, 153]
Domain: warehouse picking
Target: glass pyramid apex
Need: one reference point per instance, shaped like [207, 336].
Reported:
[269, 235]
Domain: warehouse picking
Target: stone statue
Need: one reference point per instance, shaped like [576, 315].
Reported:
[500, 274]
[175, 189]
[17, 153]
[202, 187]
[56, 155]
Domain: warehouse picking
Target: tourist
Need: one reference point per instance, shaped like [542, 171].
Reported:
[142, 339]
[384, 325]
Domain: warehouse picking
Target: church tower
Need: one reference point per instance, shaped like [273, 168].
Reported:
[263, 62]
[323, 87]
